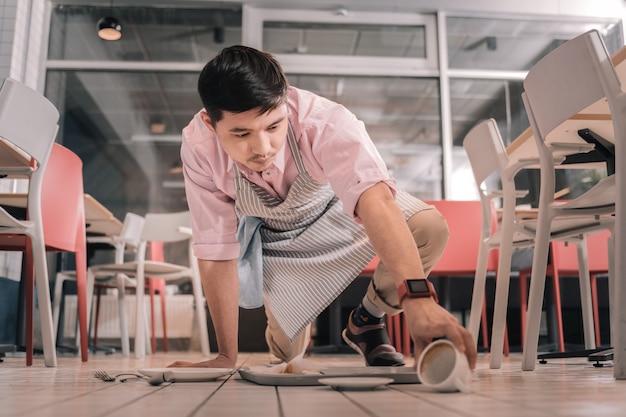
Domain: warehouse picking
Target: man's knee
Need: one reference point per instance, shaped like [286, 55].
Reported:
[431, 233]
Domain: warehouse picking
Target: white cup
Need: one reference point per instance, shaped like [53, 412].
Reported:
[442, 367]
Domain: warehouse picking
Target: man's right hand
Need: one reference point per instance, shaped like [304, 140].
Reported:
[428, 320]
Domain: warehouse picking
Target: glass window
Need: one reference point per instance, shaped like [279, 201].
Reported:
[401, 115]
[344, 39]
[472, 101]
[349, 42]
[148, 33]
[130, 142]
[517, 44]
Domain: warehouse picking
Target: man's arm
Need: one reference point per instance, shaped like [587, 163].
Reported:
[394, 244]
[221, 289]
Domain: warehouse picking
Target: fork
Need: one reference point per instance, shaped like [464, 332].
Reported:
[104, 376]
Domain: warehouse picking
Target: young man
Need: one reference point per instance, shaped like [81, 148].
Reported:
[313, 201]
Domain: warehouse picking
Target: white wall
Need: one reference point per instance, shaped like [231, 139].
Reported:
[23, 33]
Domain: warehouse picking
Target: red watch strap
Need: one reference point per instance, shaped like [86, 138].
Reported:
[403, 292]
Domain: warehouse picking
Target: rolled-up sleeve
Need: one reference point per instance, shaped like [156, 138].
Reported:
[214, 222]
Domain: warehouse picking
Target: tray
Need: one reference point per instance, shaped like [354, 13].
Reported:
[399, 375]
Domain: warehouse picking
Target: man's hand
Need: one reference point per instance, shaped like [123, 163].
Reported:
[219, 362]
[428, 320]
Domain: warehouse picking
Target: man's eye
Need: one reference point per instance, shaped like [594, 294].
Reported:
[273, 127]
[242, 135]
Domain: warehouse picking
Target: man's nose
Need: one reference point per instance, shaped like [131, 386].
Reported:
[262, 144]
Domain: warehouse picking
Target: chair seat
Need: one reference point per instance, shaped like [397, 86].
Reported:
[150, 268]
[565, 226]
[600, 195]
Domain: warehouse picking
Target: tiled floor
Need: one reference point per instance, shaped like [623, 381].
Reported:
[570, 387]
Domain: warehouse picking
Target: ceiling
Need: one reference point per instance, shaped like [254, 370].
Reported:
[143, 112]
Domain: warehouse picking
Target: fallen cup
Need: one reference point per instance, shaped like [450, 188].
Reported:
[442, 367]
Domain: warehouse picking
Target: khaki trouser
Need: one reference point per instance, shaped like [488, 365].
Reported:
[430, 232]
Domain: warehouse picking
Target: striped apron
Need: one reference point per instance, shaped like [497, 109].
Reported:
[312, 250]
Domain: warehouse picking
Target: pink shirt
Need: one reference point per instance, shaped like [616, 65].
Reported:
[335, 148]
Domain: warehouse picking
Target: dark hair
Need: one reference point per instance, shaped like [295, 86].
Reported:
[239, 79]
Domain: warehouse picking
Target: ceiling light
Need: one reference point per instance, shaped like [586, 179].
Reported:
[157, 126]
[109, 28]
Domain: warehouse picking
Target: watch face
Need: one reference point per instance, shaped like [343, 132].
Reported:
[418, 286]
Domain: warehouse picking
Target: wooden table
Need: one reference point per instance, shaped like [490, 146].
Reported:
[597, 118]
[99, 219]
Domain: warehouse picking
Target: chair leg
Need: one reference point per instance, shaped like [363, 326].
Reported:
[596, 313]
[97, 318]
[158, 285]
[586, 296]
[162, 294]
[152, 292]
[397, 333]
[558, 308]
[29, 307]
[507, 350]
[523, 302]
[82, 287]
[406, 336]
[57, 300]
[484, 327]
[121, 307]
[36, 274]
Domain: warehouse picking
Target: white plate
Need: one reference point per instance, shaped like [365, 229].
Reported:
[355, 383]
[187, 374]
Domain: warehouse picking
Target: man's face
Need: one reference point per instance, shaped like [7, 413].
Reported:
[250, 138]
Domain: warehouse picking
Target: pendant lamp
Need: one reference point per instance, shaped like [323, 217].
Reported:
[109, 28]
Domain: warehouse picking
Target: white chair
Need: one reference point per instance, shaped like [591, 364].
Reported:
[488, 159]
[487, 155]
[564, 83]
[167, 228]
[128, 240]
[28, 127]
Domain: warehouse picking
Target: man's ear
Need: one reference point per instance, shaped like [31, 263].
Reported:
[207, 121]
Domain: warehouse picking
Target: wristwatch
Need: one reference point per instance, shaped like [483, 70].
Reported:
[416, 288]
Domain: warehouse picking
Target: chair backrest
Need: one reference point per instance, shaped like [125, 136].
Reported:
[488, 158]
[485, 150]
[572, 80]
[165, 227]
[132, 229]
[27, 119]
[62, 201]
[464, 223]
[567, 80]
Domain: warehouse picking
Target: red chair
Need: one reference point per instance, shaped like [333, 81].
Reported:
[157, 285]
[63, 218]
[64, 223]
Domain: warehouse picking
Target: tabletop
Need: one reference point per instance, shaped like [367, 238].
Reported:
[100, 220]
[595, 117]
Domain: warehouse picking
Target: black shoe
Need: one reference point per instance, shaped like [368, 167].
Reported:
[372, 342]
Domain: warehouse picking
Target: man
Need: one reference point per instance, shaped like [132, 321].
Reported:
[313, 201]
